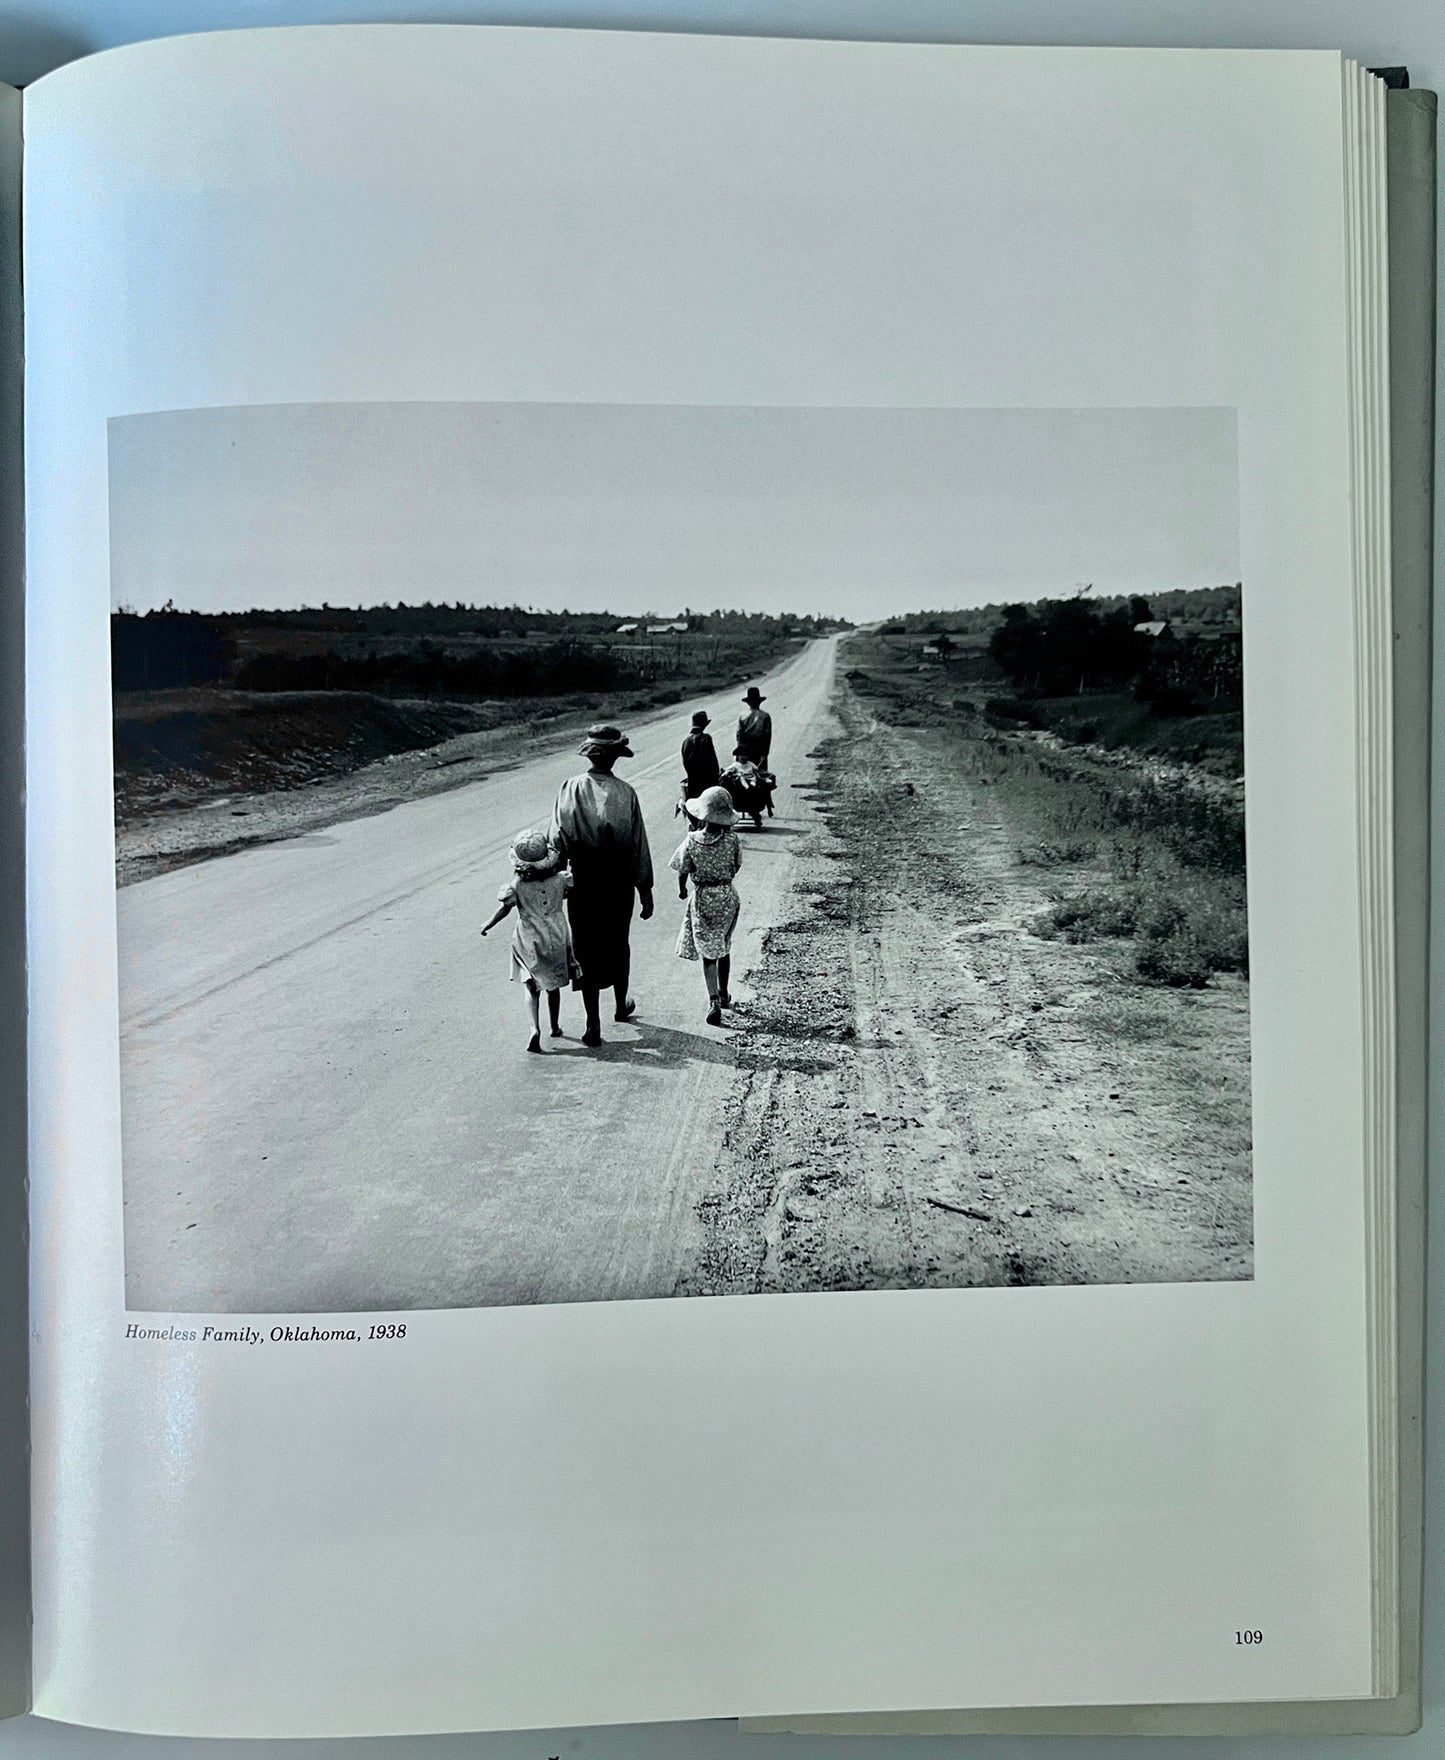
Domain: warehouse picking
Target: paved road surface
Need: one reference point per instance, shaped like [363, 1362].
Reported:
[327, 1101]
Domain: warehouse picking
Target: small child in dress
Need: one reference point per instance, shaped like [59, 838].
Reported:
[711, 856]
[542, 938]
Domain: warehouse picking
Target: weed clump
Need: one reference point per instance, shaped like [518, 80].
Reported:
[1185, 934]
[1012, 712]
[1202, 829]
[1092, 916]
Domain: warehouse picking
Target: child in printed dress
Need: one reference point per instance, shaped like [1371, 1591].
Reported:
[542, 938]
[710, 856]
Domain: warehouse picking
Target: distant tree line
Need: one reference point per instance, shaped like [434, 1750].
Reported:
[1204, 607]
[492, 622]
[540, 670]
[1067, 647]
[165, 649]
[428, 650]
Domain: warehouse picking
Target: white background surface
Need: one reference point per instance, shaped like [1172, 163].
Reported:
[1417, 36]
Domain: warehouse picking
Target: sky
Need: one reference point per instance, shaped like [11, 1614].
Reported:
[858, 513]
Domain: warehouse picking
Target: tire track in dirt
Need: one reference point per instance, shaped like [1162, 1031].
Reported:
[931, 1096]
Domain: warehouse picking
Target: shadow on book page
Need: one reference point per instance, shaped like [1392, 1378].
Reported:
[569, 853]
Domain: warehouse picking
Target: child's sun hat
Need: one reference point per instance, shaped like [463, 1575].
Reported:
[533, 850]
[714, 806]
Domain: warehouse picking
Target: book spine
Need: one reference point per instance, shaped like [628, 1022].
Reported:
[14, 1232]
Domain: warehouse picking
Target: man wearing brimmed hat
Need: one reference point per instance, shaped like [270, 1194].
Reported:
[699, 758]
[755, 729]
[597, 822]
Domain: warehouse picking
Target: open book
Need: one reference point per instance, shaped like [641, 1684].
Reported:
[725, 754]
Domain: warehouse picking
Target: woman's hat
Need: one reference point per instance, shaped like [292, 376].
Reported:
[754, 696]
[605, 742]
[701, 719]
[533, 849]
[714, 806]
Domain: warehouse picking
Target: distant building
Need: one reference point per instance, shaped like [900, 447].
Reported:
[667, 629]
[1155, 627]
[625, 629]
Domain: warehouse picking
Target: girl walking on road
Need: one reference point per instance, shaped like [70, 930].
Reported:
[541, 939]
[710, 856]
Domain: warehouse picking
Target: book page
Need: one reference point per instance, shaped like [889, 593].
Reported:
[830, 554]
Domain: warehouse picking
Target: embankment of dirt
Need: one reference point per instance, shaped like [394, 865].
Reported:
[179, 747]
[298, 777]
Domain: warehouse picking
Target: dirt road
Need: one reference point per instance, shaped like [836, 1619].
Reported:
[932, 1095]
[327, 1104]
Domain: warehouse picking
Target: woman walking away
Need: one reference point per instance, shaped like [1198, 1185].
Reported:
[711, 856]
[597, 823]
[541, 941]
[699, 759]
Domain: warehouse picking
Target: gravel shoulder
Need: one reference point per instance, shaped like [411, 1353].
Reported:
[930, 1095]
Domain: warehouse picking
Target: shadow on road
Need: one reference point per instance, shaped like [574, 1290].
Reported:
[660, 1047]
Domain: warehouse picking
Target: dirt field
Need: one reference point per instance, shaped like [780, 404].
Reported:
[931, 1093]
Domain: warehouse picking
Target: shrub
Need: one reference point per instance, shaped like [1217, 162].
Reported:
[1005, 711]
[1173, 701]
[1178, 959]
[1089, 917]
[1204, 830]
[1185, 933]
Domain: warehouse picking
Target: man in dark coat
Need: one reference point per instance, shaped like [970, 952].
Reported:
[699, 759]
[755, 729]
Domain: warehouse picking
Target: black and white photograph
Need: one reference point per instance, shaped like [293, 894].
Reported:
[586, 852]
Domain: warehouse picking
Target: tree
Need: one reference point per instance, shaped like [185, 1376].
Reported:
[1066, 647]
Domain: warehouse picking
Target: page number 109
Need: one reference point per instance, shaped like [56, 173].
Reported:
[1254, 1637]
